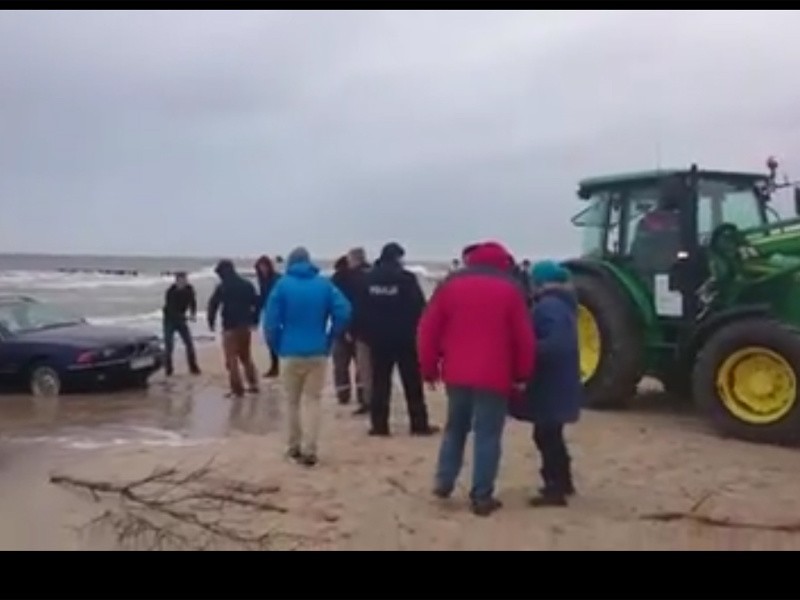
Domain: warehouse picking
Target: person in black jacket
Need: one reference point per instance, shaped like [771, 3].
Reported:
[266, 277]
[180, 303]
[392, 303]
[357, 277]
[238, 301]
[343, 352]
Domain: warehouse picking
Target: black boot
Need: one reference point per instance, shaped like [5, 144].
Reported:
[552, 493]
[549, 498]
[484, 508]
[426, 430]
[343, 397]
[567, 487]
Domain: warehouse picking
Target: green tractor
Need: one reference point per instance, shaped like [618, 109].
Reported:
[691, 277]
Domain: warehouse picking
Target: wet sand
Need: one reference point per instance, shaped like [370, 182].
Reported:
[374, 494]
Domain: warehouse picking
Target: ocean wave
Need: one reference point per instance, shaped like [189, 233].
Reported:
[424, 272]
[147, 436]
[66, 279]
[90, 279]
[153, 322]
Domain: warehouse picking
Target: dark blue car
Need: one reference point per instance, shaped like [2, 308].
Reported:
[48, 351]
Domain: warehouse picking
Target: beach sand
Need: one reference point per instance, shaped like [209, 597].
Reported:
[374, 494]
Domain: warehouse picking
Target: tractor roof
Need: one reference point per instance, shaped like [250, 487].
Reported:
[638, 178]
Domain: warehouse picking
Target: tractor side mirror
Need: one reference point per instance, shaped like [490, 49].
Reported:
[679, 273]
[688, 271]
[797, 201]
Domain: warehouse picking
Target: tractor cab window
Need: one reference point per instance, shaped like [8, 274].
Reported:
[654, 231]
[722, 202]
[592, 221]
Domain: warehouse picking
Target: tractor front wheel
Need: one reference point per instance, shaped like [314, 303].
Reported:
[746, 380]
[611, 348]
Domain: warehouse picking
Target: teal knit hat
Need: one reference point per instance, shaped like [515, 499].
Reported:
[548, 271]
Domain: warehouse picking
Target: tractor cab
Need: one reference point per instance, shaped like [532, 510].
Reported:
[648, 221]
[692, 277]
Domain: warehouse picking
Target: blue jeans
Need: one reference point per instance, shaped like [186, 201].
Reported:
[485, 414]
[182, 329]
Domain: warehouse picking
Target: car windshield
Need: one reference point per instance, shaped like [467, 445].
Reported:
[26, 316]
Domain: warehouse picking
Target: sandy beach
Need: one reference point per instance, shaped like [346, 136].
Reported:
[366, 493]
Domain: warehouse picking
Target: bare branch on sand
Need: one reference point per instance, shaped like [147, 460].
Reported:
[694, 515]
[193, 510]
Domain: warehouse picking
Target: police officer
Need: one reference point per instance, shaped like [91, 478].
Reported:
[393, 302]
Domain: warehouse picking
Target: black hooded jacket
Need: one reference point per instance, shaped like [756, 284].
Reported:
[352, 283]
[237, 297]
[391, 301]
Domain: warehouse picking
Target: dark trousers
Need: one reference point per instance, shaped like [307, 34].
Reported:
[384, 359]
[556, 472]
[344, 353]
[273, 361]
[171, 327]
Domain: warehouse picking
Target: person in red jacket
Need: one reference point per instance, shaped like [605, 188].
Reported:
[476, 336]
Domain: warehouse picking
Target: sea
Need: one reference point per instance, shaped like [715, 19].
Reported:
[129, 291]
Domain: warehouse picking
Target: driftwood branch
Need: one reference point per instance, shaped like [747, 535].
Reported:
[694, 515]
[192, 510]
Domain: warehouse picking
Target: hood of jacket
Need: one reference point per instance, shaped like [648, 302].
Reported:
[563, 292]
[490, 254]
[391, 255]
[264, 261]
[302, 269]
[225, 270]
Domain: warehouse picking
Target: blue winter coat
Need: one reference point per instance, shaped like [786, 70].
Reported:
[304, 313]
[555, 394]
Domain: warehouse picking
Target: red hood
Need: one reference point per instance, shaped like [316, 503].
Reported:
[490, 254]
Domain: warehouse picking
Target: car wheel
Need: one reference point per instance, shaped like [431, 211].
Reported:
[44, 381]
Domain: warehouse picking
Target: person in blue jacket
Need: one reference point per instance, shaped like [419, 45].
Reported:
[555, 394]
[303, 314]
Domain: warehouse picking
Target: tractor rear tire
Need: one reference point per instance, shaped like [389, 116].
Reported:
[708, 380]
[621, 365]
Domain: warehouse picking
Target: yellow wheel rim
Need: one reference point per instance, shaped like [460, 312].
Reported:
[589, 342]
[758, 386]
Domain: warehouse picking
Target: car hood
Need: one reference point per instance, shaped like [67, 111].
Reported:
[86, 335]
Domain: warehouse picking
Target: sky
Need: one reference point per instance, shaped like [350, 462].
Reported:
[232, 133]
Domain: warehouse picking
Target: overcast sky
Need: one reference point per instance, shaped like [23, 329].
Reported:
[236, 133]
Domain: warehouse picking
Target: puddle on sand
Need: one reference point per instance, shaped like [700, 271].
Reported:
[176, 412]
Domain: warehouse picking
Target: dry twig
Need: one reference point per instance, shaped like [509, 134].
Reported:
[694, 515]
[168, 509]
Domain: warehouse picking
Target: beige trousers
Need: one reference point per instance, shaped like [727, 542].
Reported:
[304, 379]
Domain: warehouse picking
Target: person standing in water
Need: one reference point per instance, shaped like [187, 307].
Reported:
[304, 314]
[180, 304]
[266, 275]
[236, 298]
